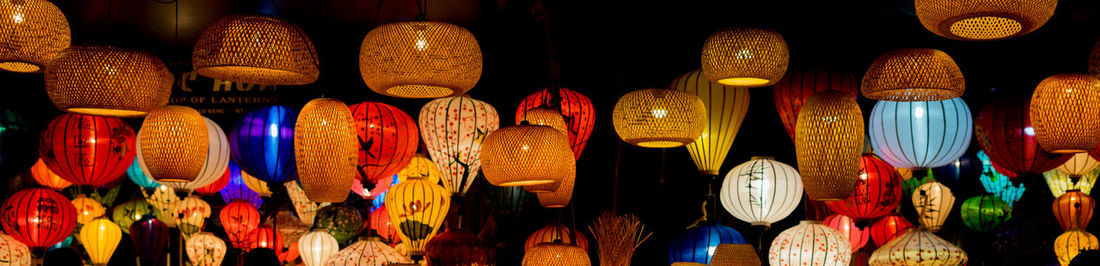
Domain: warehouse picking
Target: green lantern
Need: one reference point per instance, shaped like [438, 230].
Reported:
[983, 213]
[342, 222]
[129, 212]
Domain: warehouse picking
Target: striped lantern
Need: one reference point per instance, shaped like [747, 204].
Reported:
[828, 145]
[857, 237]
[920, 135]
[239, 219]
[316, 247]
[381, 224]
[1079, 165]
[761, 191]
[1072, 242]
[933, 202]
[725, 107]
[100, 238]
[889, 227]
[206, 249]
[575, 108]
[16, 253]
[810, 242]
[38, 217]
[368, 251]
[129, 212]
[698, 243]
[799, 85]
[150, 238]
[262, 144]
[387, 139]
[877, 193]
[1005, 133]
[452, 129]
[918, 247]
[44, 176]
[417, 207]
[235, 188]
[554, 233]
[325, 150]
[1073, 210]
[87, 150]
[984, 213]
[137, 174]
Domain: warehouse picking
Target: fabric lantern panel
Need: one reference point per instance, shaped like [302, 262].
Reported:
[918, 247]
[453, 129]
[698, 244]
[262, 144]
[798, 85]
[920, 135]
[87, 209]
[44, 176]
[70, 141]
[339, 221]
[206, 249]
[368, 251]
[38, 217]
[933, 202]
[100, 238]
[239, 219]
[574, 107]
[14, 251]
[889, 227]
[381, 224]
[129, 212]
[1073, 210]
[316, 247]
[457, 247]
[150, 238]
[1005, 133]
[418, 208]
[877, 193]
[1073, 242]
[387, 139]
[726, 108]
[810, 242]
[761, 191]
[857, 237]
[983, 213]
[236, 189]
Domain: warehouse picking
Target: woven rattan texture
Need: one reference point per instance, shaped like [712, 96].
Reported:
[420, 59]
[174, 143]
[726, 109]
[525, 155]
[1065, 113]
[255, 49]
[983, 20]
[35, 33]
[918, 247]
[325, 149]
[108, 81]
[547, 117]
[828, 143]
[556, 254]
[748, 57]
[735, 255]
[917, 74]
[563, 194]
[659, 118]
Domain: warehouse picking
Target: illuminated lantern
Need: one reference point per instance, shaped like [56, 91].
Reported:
[576, 109]
[698, 243]
[810, 242]
[45, 177]
[239, 219]
[1072, 242]
[137, 174]
[983, 213]
[659, 118]
[325, 150]
[263, 144]
[920, 135]
[266, 237]
[857, 237]
[15, 252]
[877, 193]
[387, 139]
[191, 214]
[107, 81]
[998, 184]
[933, 202]
[175, 142]
[726, 108]
[420, 166]
[291, 254]
[453, 129]
[1078, 165]
[236, 189]
[38, 217]
[910, 75]
[127, 213]
[828, 145]
[1005, 133]
[150, 238]
[35, 34]
[87, 150]
[545, 117]
[316, 247]
[206, 249]
[257, 185]
[368, 251]
[798, 85]
[525, 155]
[218, 185]
[417, 207]
[551, 254]
[562, 194]
[750, 57]
[1073, 210]
[380, 222]
[164, 201]
[772, 189]
[87, 209]
[255, 49]
[100, 238]
[555, 233]
[735, 254]
[889, 227]
[1060, 182]
[306, 209]
[342, 222]
[983, 20]
[1064, 113]
[918, 247]
[420, 59]
[457, 247]
[217, 159]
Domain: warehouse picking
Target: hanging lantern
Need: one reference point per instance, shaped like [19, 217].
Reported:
[543, 116]
[797, 86]
[772, 189]
[750, 57]
[917, 74]
[726, 108]
[877, 193]
[35, 34]
[100, 238]
[205, 249]
[164, 201]
[150, 238]
[998, 184]
[342, 222]
[659, 118]
[235, 189]
[259, 186]
[175, 143]
[87, 209]
[525, 155]
[417, 207]
[137, 174]
[1072, 242]
[218, 185]
[556, 233]
[217, 159]
[368, 251]
[983, 20]
[983, 213]
[255, 49]
[45, 177]
[387, 139]
[843, 224]
[918, 247]
[239, 219]
[889, 227]
[457, 247]
[316, 247]
[15, 252]
[420, 59]
[127, 213]
[325, 150]
[263, 144]
[420, 166]
[810, 242]
[560, 197]
[735, 254]
[698, 243]
[575, 108]
[71, 141]
[108, 81]
[507, 203]
[38, 217]
[266, 237]
[920, 135]
[1064, 113]
[551, 254]
[1078, 165]
[1073, 210]
[933, 202]
[828, 145]
[381, 224]
[191, 213]
[1005, 133]
[306, 209]
[453, 129]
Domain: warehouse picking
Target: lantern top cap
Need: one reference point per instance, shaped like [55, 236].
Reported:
[806, 222]
[762, 158]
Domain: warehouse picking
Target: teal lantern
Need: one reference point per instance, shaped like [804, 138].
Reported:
[138, 177]
[983, 213]
[342, 222]
[998, 184]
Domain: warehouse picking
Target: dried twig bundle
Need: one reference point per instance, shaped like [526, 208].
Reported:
[617, 236]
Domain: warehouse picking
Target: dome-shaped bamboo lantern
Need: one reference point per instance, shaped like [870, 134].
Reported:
[828, 142]
[749, 57]
[255, 49]
[553, 254]
[1065, 113]
[35, 33]
[174, 143]
[420, 59]
[918, 74]
[726, 108]
[563, 194]
[659, 118]
[525, 155]
[1073, 210]
[108, 81]
[918, 247]
[325, 150]
[983, 20]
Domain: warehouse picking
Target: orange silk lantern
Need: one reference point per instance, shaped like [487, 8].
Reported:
[239, 219]
[387, 139]
[45, 177]
[1073, 210]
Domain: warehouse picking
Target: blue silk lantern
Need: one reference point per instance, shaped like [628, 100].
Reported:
[698, 244]
[236, 189]
[138, 177]
[380, 200]
[150, 238]
[920, 135]
[263, 144]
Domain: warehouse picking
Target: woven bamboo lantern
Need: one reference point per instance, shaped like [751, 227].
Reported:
[918, 247]
[368, 251]
[325, 150]
[659, 118]
[87, 150]
[828, 144]
[554, 233]
[920, 135]
[38, 217]
[933, 202]
[1094, 60]
[206, 249]
[100, 238]
[917, 74]
[35, 33]
[889, 227]
[771, 188]
[877, 193]
[554, 254]
[983, 20]
[857, 237]
[984, 213]
[175, 143]
[45, 177]
[735, 255]
[417, 207]
[799, 85]
[543, 116]
[748, 57]
[575, 108]
[563, 193]
[217, 161]
[726, 108]
[1073, 210]
[420, 59]
[525, 155]
[1065, 112]
[255, 49]
[452, 129]
[809, 242]
[1079, 165]
[387, 140]
[698, 243]
[1060, 182]
[14, 251]
[87, 209]
[1072, 242]
[108, 81]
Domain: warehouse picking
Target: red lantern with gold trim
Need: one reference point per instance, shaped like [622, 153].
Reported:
[387, 140]
[576, 108]
[38, 217]
[87, 150]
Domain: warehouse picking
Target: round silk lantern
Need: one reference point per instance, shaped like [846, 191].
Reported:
[381, 224]
[191, 213]
[137, 174]
[799, 85]
[87, 209]
[236, 189]
[316, 247]
[915, 74]
[659, 118]
[368, 251]
[417, 207]
[457, 247]
[44, 176]
[697, 244]
[174, 143]
[38, 217]
[263, 144]
[107, 81]
[1073, 210]
[555, 233]
[920, 135]
[387, 139]
[889, 227]
[239, 219]
[1078, 165]
[750, 57]
[127, 213]
[266, 237]
[574, 107]
[828, 145]
[1064, 113]
[150, 238]
[726, 108]
[525, 155]
[761, 191]
[1072, 242]
[264, 50]
[810, 242]
[983, 213]
[325, 150]
[35, 33]
[877, 193]
[1005, 132]
[100, 238]
[857, 237]
[983, 20]
[206, 249]
[15, 252]
[420, 59]
[342, 222]
[87, 150]
[933, 202]
[550, 254]
[453, 129]
[218, 185]
[217, 159]
[918, 247]
[420, 166]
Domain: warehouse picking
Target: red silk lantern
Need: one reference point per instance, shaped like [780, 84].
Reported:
[216, 186]
[387, 140]
[266, 237]
[380, 222]
[1073, 210]
[877, 193]
[576, 108]
[857, 237]
[87, 150]
[1004, 131]
[797, 86]
[38, 217]
[888, 228]
[239, 220]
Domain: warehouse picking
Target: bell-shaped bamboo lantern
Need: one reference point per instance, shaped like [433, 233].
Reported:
[915, 74]
[1065, 112]
[525, 155]
[174, 143]
[33, 36]
[550, 254]
[750, 57]
[828, 144]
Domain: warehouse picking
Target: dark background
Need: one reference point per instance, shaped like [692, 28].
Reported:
[605, 48]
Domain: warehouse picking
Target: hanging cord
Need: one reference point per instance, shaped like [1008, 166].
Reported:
[422, 10]
[377, 13]
[573, 220]
[615, 184]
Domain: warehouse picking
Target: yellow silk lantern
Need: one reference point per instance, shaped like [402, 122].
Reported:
[1072, 242]
[100, 238]
[417, 208]
[87, 209]
[726, 108]
[174, 143]
[255, 184]
[420, 166]
[325, 150]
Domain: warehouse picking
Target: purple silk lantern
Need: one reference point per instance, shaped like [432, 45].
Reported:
[150, 239]
[236, 189]
[263, 144]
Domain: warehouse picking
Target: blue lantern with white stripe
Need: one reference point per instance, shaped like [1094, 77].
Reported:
[920, 135]
[698, 243]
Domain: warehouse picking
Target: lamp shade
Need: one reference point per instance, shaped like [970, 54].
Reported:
[877, 193]
[263, 144]
[325, 150]
[983, 213]
[164, 201]
[810, 242]
[38, 217]
[420, 59]
[544, 117]
[1005, 132]
[417, 207]
[255, 49]
[217, 159]
[174, 143]
[259, 186]
[267, 237]
[556, 233]
[659, 118]
[100, 238]
[726, 108]
[35, 34]
[1078, 165]
[457, 247]
[1060, 182]
[917, 74]
[127, 213]
[889, 227]
[339, 221]
[846, 226]
[71, 141]
[1069, 244]
[382, 225]
[108, 81]
[367, 252]
[749, 57]
[387, 139]
[316, 247]
[798, 85]
[560, 197]
[761, 191]
[206, 249]
[420, 166]
[525, 155]
[828, 145]
[453, 129]
[920, 135]
[735, 255]
[575, 108]
[698, 244]
[14, 251]
[150, 238]
[235, 189]
[44, 176]
[87, 209]
[918, 247]
[1073, 210]
[239, 219]
[933, 202]
[191, 214]
[983, 20]
[1065, 113]
[549, 254]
